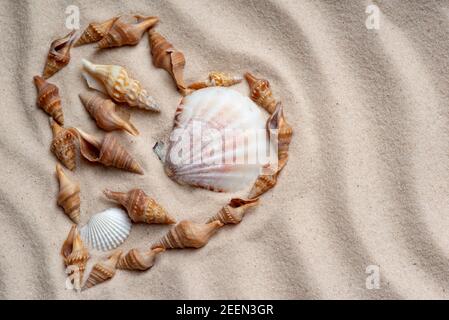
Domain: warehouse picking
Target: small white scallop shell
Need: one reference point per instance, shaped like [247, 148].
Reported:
[106, 230]
[226, 126]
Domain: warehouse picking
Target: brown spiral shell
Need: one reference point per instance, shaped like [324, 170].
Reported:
[48, 99]
[59, 55]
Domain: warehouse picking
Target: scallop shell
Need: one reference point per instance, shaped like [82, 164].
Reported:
[222, 120]
[107, 230]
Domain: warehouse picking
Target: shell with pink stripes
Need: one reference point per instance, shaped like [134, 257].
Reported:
[219, 141]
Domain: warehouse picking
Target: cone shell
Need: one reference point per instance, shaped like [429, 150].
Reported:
[261, 92]
[59, 55]
[107, 230]
[108, 152]
[237, 137]
[63, 144]
[95, 32]
[187, 234]
[233, 212]
[69, 195]
[74, 252]
[165, 56]
[103, 271]
[105, 113]
[120, 86]
[216, 78]
[127, 30]
[139, 260]
[140, 207]
[48, 99]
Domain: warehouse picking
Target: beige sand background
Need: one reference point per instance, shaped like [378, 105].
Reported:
[367, 182]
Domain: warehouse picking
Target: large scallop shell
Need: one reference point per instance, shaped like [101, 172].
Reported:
[219, 141]
[107, 230]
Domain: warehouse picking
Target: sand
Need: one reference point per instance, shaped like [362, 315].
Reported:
[366, 183]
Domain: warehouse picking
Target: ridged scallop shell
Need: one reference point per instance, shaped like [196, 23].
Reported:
[227, 119]
[107, 230]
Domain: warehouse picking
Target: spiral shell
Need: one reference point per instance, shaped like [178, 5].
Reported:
[139, 260]
[233, 212]
[276, 125]
[48, 99]
[140, 207]
[74, 252]
[120, 86]
[216, 78]
[187, 234]
[63, 144]
[69, 195]
[107, 230]
[103, 270]
[107, 151]
[219, 141]
[261, 92]
[166, 57]
[105, 113]
[59, 55]
[127, 30]
[95, 32]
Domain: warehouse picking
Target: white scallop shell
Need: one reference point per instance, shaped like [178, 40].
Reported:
[106, 230]
[226, 120]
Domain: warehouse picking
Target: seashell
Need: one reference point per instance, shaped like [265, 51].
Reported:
[103, 270]
[107, 230]
[107, 151]
[233, 212]
[105, 113]
[119, 86]
[137, 259]
[74, 252]
[69, 195]
[232, 126]
[63, 144]
[166, 57]
[261, 92]
[284, 133]
[140, 207]
[216, 78]
[127, 30]
[59, 55]
[95, 32]
[187, 234]
[263, 184]
[48, 99]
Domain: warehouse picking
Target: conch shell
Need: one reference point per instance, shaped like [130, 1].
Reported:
[165, 56]
[127, 31]
[121, 87]
[233, 212]
[48, 99]
[187, 234]
[74, 252]
[95, 32]
[59, 55]
[261, 92]
[284, 136]
[140, 207]
[217, 79]
[137, 259]
[105, 113]
[69, 195]
[107, 151]
[64, 144]
[103, 270]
